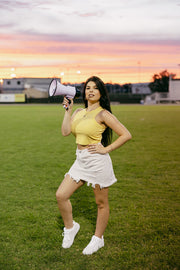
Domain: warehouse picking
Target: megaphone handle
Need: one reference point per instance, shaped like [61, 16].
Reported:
[67, 107]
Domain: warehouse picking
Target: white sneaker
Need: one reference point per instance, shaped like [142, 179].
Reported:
[69, 235]
[95, 244]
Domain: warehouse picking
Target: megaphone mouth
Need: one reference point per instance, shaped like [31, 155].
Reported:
[52, 88]
[58, 89]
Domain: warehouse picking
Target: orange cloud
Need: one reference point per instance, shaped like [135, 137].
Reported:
[121, 62]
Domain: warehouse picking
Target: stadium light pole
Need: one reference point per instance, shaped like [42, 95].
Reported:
[78, 72]
[139, 71]
[1, 85]
[62, 74]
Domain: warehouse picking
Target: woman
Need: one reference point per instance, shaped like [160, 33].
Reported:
[92, 128]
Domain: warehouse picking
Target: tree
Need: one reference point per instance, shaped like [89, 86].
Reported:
[127, 88]
[161, 81]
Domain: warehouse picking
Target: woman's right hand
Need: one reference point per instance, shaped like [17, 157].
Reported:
[68, 105]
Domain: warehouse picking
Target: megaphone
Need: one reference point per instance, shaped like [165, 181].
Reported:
[58, 89]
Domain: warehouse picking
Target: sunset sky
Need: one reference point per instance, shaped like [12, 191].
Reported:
[117, 40]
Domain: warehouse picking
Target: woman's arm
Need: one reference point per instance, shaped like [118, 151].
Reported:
[124, 135]
[66, 124]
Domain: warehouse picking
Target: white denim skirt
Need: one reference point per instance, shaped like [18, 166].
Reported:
[93, 169]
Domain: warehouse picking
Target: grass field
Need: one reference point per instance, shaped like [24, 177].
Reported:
[144, 224]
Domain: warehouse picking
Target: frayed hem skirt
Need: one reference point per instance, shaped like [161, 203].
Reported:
[93, 169]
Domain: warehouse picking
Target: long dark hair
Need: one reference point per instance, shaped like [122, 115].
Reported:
[104, 103]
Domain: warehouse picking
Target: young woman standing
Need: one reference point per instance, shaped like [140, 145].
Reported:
[92, 128]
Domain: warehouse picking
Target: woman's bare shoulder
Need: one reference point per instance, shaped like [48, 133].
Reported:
[105, 113]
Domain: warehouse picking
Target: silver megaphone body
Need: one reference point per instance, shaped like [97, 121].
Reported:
[58, 89]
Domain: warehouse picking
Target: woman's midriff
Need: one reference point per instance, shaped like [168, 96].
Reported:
[81, 147]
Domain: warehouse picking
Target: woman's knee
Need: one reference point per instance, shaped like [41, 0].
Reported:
[60, 196]
[102, 203]
[101, 198]
[67, 188]
[62, 191]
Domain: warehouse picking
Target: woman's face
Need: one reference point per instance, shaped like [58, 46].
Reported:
[92, 93]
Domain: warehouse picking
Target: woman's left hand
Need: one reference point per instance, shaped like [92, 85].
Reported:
[96, 148]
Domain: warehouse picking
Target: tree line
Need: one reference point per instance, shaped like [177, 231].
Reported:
[160, 81]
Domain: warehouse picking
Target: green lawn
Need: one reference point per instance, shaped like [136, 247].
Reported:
[143, 229]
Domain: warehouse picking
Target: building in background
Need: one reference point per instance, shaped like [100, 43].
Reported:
[172, 96]
[12, 86]
[140, 88]
[36, 88]
[32, 87]
[174, 89]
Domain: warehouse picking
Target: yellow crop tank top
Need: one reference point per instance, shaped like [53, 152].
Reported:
[85, 127]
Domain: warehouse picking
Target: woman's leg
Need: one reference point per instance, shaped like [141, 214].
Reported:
[101, 196]
[64, 192]
[97, 241]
